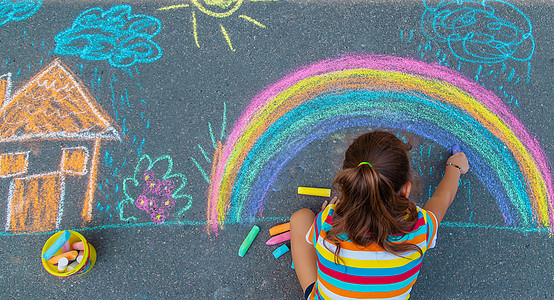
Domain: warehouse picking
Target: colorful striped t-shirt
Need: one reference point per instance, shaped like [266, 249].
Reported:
[368, 272]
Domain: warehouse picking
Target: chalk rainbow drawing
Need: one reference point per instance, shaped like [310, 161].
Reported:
[17, 10]
[506, 34]
[53, 105]
[363, 90]
[216, 9]
[116, 35]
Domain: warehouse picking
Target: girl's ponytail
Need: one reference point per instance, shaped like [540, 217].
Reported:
[372, 207]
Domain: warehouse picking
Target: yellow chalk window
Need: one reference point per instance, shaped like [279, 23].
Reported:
[12, 164]
[74, 160]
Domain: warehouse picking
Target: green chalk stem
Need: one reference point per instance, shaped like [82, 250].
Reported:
[248, 240]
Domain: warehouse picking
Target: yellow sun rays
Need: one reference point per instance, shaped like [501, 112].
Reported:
[225, 8]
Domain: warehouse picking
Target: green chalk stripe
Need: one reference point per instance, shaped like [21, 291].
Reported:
[248, 240]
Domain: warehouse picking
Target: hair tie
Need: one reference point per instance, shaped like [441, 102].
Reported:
[365, 163]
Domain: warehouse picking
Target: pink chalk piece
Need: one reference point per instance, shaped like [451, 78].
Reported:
[80, 256]
[283, 237]
[78, 246]
[66, 247]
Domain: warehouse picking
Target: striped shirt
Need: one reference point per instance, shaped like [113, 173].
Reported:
[368, 272]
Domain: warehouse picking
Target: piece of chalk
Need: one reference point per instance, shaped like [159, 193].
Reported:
[72, 266]
[314, 191]
[279, 229]
[66, 247]
[62, 239]
[292, 265]
[62, 264]
[280, 251]
[71, 255]
[283, 237]
[248, 240]
[455, 149]
[78, 246]
[80, 256]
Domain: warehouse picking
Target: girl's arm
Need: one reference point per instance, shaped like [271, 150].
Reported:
[457, 165]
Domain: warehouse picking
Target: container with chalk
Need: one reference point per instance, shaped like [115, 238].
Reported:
[248, 240]
[53, 249]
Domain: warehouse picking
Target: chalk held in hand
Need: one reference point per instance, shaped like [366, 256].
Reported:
[455, 149]
[62, 239]
[314, 191]
[279, 228]
[248, 240]
[280, 251]
[283, 237]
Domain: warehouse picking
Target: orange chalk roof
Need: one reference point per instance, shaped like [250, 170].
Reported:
[54, 105]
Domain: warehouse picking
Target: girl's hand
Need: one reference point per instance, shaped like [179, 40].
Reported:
[460, 160]
[333, 201]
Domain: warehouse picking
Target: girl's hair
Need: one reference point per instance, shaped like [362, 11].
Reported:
[371, 209]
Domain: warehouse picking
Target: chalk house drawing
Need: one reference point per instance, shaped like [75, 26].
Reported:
[216, 9]
[116, 35]
[155, 190]
[480, 31]
[17, 10]
[52, 106]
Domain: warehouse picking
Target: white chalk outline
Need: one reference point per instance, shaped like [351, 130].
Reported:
[24, 169]
[62, 163]
[11, 191]
[8, 90]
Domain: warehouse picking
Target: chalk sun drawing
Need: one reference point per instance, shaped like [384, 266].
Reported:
[17, 10]
[53, 105]
[116, 35]
[363, 90]
[152, 192]
[480, 31]
[217, 9]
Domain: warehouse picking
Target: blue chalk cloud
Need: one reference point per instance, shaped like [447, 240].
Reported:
[480, 31]
[115, 35]
[17, 10]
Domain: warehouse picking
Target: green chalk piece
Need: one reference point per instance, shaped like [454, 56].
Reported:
[280, 251]
[248, 240]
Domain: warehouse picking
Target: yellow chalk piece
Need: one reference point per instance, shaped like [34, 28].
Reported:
[314, 191]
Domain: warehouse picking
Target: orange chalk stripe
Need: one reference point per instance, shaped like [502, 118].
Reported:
[279, 228]
[71, 255]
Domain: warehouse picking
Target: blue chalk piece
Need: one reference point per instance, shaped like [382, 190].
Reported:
[62, 239]
[455, 149]
[292, 265]
[280, 251]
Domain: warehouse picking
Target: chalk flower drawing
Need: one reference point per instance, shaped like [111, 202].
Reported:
[216, 9]
[17, 10]
[480, 31]
[116, 35]
[52, 106]
[160, 194]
